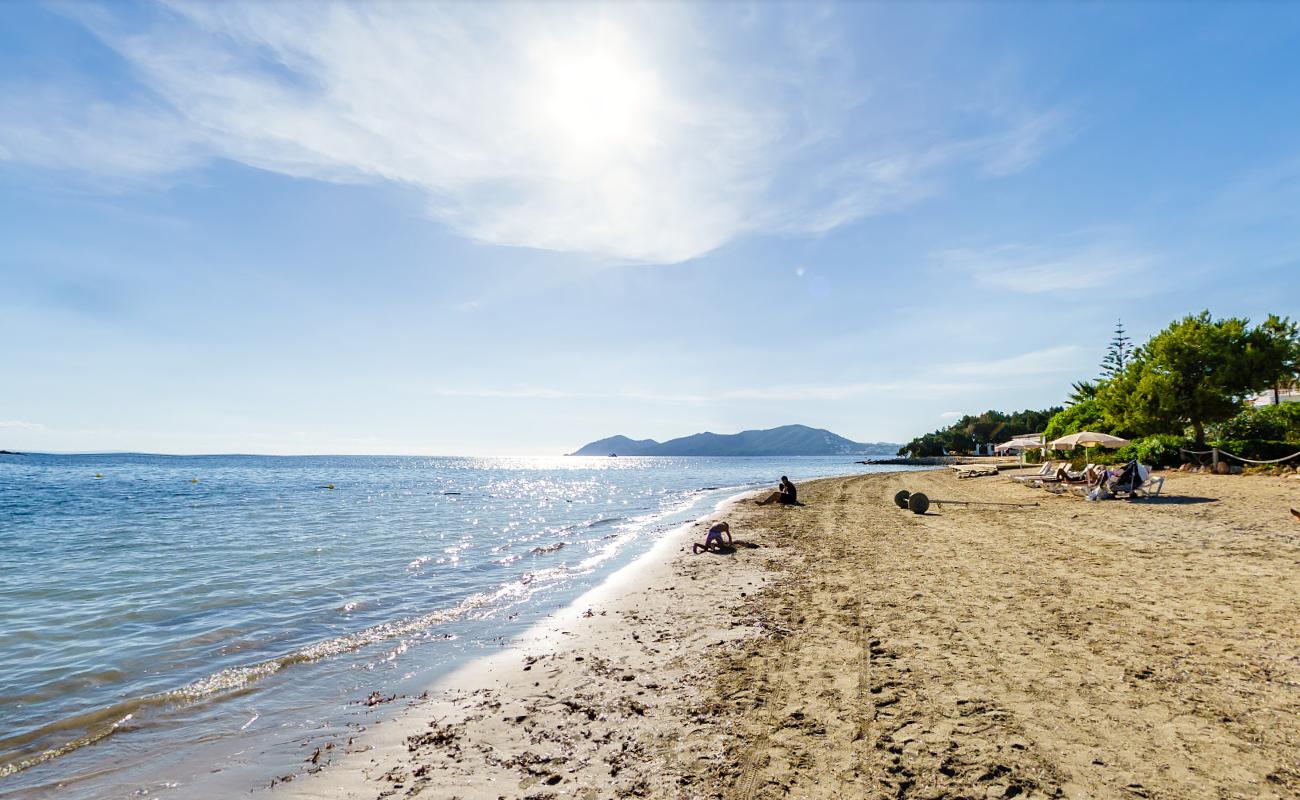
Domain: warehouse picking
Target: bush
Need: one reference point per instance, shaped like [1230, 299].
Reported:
[1280, 423]
[1261, 449]
[1160, 450]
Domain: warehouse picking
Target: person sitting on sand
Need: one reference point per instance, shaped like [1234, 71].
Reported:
[785, 494]
[714, 535]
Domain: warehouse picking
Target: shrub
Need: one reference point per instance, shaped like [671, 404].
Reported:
[1280, 423]
[1160, 450]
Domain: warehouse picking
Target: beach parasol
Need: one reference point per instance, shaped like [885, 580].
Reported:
[1023, 443]
[1087, 439]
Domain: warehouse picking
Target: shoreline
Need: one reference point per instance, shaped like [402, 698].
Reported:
[1070, 649]
[232, 761]
[423, 747]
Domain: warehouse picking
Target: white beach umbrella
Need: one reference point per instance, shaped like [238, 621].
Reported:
[1021, 443]
[1087, 439]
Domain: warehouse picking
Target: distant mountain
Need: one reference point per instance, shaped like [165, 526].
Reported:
[787, 440]
[621, 445]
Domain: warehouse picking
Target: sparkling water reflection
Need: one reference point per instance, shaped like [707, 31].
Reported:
[191, 614]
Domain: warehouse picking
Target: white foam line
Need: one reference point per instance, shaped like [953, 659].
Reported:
[547, 633]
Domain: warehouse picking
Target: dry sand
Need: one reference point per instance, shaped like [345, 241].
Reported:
[850, 649]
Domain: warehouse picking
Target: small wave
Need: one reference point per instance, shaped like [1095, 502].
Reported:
[606, 521]
[549, 548]
[96, 725]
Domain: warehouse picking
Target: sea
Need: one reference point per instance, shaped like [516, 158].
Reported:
[195, 626]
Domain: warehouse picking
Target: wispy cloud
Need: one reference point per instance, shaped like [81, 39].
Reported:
[1041, 270]
[826, 392]
[633, 132]
[950, 415]
[1048, 361]
[20, 424]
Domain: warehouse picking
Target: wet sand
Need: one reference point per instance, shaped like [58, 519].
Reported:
[847, 648]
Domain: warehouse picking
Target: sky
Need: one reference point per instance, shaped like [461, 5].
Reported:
[477, 229]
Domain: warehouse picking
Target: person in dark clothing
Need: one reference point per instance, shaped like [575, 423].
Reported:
[785, 494]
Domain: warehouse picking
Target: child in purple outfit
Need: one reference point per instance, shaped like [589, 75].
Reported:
[714, 535]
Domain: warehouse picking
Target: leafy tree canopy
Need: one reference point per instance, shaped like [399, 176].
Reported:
[1081, 391]
[1198, 371]
[1085, 415]
[991, 427]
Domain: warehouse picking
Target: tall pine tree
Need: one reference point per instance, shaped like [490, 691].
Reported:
[1118, 354]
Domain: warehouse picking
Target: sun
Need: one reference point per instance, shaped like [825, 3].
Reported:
[592, 96]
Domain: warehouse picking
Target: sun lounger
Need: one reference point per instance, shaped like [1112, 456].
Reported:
[1062, 476]
[973, 470]
[1080, 476]
[1151, 486]
[1136, 480]
[1047, 471]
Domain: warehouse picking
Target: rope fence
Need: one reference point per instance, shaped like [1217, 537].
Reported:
[1216, 452]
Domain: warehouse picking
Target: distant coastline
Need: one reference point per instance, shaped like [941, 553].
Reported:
[787, 440]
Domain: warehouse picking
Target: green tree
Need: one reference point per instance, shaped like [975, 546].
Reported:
[1118, 354]
[1081, 391]
[1195, 372]
[990, 427]
[1085, 415]
[1282, 346]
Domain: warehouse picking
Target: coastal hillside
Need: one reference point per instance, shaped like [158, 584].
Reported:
[787, 440]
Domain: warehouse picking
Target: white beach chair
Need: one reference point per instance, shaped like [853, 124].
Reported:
[1081, 474]
[1048, 470]
[1151, 484]
[973, 470]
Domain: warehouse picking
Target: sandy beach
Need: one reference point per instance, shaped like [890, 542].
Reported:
[847, 648]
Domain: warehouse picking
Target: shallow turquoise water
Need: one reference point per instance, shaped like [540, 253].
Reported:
[177, 624]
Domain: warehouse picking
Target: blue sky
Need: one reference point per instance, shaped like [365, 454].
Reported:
[471, 229]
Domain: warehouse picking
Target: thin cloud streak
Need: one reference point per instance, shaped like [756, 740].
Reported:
[1051, 360]
[1037, 270]
[823, 392]
[971, 376]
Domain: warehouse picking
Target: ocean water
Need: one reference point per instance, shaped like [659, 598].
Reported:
[195, 626]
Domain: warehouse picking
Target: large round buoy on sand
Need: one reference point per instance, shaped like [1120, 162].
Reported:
[918, 503]
[900, 499]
